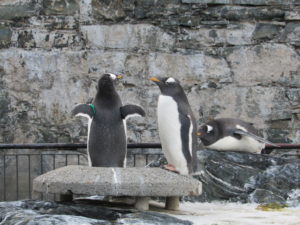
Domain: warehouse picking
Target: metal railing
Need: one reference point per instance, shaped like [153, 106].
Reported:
[21, 163]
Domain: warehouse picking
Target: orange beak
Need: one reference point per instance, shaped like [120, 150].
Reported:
[154, 79]
[199, 134]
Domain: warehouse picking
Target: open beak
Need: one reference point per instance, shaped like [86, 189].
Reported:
[154, 79]
[119, 77]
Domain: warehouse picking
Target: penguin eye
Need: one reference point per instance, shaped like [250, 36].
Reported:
[209, 129]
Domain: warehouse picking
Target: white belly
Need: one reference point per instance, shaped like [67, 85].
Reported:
[246, 144]
[88, 136]
[169, 132]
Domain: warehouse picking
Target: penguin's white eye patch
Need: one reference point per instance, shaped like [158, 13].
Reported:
[209, 128]
[170, 80]
[113, 76]
[241, 128]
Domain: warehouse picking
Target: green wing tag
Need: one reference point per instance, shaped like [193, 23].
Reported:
[93, 108]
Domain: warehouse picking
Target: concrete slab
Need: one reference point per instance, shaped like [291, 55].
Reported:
[143, 182]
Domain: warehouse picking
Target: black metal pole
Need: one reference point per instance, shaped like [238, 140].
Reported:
[69, 146]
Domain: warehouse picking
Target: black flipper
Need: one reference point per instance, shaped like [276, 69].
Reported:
[84, 110]
[131, 110]
[186, 124]
[241, 132]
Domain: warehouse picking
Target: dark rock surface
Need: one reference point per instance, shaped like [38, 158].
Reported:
[41, 213]
[248, 177]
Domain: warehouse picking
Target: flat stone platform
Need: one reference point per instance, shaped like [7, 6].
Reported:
[137, 182]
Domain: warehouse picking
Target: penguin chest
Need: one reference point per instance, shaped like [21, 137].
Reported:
[246, 144]
[169, 127]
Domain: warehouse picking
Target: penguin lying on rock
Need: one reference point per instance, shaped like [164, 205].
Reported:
[228, 134]
[176, 126]
[107, 141]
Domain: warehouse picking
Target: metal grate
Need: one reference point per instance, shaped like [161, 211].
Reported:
[18, 169]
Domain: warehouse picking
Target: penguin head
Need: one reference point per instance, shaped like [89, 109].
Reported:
[167, 85]
[208, 133]
[108, 80]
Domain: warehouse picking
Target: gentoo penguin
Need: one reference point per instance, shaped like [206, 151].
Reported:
[228, 134]
[107, 141]
[176, 126]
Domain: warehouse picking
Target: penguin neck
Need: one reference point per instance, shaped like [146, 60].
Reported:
[107, 95]
[179, 96]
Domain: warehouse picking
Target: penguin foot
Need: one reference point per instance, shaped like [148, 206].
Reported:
[171, 168]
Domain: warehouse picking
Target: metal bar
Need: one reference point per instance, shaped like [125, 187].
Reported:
[69, 146]
[283, 146]
[4, 178]
[269, 148]
[17, 177]
[53, 153]
[53, 161]
[78, 159]
[72, 147]
[42, 164]
[149, 151]
[42, 146]
[29, 176]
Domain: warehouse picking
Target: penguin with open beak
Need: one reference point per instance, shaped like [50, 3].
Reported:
[176, 126]
[229, 134]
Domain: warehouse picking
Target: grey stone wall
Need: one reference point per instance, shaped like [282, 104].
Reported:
[235, 58]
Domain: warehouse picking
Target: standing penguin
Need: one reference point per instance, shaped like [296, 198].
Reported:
[107, 141]
[176, 126]
[228, 134]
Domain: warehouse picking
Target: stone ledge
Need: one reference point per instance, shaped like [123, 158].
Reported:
[83, 180]
[138, 182]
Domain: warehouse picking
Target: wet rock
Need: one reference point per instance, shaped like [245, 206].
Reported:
[40, 213]
[247, 177]
[275, 183]
[265, 196]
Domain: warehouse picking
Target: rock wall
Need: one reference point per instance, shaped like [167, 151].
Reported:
[235, 58]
